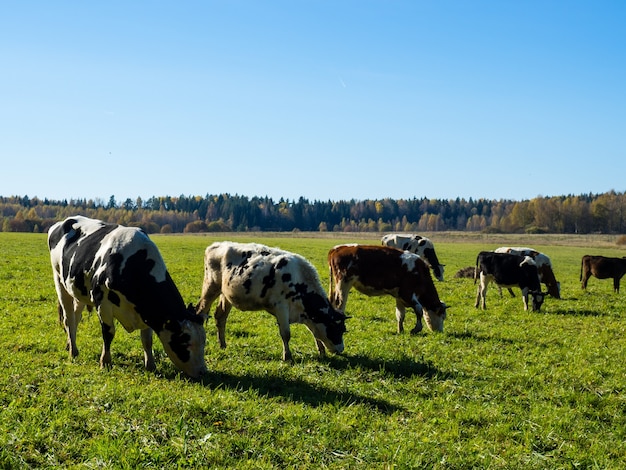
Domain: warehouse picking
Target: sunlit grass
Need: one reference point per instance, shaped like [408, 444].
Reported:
[500, 388]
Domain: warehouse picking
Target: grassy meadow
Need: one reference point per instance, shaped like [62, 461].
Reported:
[500, 388]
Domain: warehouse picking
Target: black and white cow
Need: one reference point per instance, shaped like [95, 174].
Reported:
[382, 270]
[419, 245]
[544, 267]
[508, 270]
[254, 277]
[119, 271]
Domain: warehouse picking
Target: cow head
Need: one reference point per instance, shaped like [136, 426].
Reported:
[434, 318]
[546, 275]
[331, 330]
[184, 343]
[537, 300]
[438, 271]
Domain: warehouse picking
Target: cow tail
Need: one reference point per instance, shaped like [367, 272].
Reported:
[582, 261]
[476, 270]
[331, 289]
[60, 310]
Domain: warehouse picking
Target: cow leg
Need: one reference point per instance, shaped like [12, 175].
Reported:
[210, 292]
[340, 295]
[313, 328]
[584, 280]
[321, 349]
[221, 315]
[108, 333]
[70, 323]
[69, 316]
[525, 297]
[481, 294]
[146, 342]
[616, 284]
[511, 293]
[400, 314]
[419, 312]
[282, 317]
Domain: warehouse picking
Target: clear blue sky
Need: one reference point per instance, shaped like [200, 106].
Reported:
[324, 99]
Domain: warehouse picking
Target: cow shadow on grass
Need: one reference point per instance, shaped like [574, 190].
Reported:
[578, 313]
[470, 335]
[293, 389]
[302, 391]
[404, 367]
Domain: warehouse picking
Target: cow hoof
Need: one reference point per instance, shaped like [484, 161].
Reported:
[416, 330]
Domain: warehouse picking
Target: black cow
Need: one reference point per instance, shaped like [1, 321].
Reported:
[119, 270]
[602, 267]
[508, 270]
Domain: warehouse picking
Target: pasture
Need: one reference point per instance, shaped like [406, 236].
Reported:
[500, 388]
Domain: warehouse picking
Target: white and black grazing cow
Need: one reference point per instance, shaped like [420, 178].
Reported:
[119, 271]
[420, 246]
[544, 267]
[382, 270]
[602, 267]
[508, 270]
[252, 277]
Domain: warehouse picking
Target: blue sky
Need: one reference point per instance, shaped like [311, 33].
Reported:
[320, 99]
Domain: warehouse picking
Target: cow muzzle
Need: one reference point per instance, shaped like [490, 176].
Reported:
[435, 319]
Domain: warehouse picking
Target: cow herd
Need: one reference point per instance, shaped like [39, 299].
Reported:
[119, 271]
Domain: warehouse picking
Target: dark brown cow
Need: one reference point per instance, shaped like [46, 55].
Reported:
[381, 270]
[602, 267]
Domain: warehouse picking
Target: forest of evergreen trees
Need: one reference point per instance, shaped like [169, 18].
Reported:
[592, 213]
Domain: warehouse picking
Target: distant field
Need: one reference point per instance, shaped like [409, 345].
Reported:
[500, 388]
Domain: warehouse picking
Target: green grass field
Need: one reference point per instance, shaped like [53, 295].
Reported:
[500, 388]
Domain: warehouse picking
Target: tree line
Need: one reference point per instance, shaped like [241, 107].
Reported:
[590, 213]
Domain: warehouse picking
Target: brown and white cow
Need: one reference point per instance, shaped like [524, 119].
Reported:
[420, 246]
[508, 270]
[602, 267]
[255, 277]
[544, 267]
[119, 270]
[382, 270]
